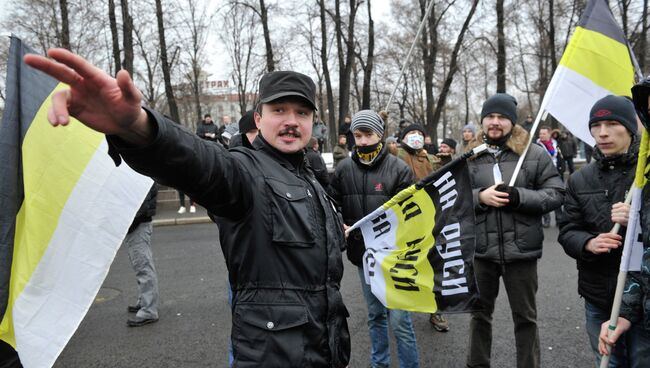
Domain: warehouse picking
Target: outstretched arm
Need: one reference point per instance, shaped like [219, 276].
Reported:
[103, 103]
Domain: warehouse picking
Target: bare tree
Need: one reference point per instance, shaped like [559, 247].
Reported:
[114, 35]
[127, 36]
[240, 37]
[501, 48]
[165, 64]
[65, 25]
[367, 67]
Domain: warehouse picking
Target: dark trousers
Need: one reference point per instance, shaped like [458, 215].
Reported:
[520, 280]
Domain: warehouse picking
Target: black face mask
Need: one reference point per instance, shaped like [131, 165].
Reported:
[367, 154]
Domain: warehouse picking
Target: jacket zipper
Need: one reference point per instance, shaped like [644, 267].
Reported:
[500, 231]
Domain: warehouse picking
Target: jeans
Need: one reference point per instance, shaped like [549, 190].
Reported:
[595, 317]
[631, 350]
[400, 323]
[138, 243]
[520, 280]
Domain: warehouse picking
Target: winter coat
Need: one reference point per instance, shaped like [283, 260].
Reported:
[319, 130]
[203, 128]
[281, 238]
[507, 234]
[147, 210]
[360, 189]
[339, 153]
[590, 194]
[317, 165]
[568, 146]
[420, 162]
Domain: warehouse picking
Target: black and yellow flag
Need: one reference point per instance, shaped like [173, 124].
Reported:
[420, 245]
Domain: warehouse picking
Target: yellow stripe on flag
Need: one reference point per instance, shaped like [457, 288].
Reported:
[599, 58]
[399, 264]
[640, 179]
[60, 155]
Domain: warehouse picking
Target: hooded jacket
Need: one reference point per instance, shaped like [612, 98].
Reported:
[590, 194]
[281, 238]
[421, 162]
[360, 189]
[508, 234]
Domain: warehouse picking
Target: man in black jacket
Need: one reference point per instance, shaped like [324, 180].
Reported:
[509, 234]
[280, 235]
[362, 183]
[138, 243]
[592, 205]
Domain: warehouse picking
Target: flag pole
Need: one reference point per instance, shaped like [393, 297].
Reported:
[620, 285]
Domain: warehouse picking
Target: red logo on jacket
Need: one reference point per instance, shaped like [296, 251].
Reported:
[601, 113]
[379, 187]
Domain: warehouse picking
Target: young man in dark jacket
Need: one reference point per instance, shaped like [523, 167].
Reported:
[635, 309]
[593, 204]
[138, 244]
[207, 129]
[361, 184]
[509, 234]
[280, 235]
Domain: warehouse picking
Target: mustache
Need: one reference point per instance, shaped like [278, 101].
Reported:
[290, 131]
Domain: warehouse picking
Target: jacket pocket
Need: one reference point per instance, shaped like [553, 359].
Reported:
[528, 233]
[292, 214]
[269, 335]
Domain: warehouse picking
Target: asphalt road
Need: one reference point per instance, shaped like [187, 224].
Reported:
[195, 318]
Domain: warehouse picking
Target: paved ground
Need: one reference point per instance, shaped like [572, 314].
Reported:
[195, 319]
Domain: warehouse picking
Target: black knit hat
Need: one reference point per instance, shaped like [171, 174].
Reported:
[247, 122]
[411, 128]
[616, 108]
[640, 93]
[501, 103]
[450, 142]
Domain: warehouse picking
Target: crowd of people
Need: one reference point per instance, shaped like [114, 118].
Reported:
[282, 219]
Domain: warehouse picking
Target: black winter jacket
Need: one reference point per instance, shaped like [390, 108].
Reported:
[360, 189]
[591, 192]
[507, 234]
[147, 210]
[281, 238]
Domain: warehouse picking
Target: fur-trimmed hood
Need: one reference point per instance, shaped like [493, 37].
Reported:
[517, 141]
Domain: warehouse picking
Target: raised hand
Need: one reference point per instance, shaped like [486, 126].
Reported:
[105, 104]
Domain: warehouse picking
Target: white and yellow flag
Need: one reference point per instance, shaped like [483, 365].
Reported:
[420, 245]
[596, 63]
[65, 209]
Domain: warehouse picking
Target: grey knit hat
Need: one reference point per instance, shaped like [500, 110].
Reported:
[368, 119]
[470, 127]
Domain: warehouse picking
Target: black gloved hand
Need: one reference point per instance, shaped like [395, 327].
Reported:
[513, 195]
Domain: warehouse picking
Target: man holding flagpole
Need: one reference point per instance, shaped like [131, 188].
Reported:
[635, 308]
[593, 204]
[509, 234]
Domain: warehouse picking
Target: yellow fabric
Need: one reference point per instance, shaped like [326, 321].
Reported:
[419, 227]
[642, 167]
[53, 161]
[601, 59]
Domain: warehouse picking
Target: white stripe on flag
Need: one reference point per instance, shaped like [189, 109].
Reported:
[633, 247]
[63, 286]
[373, 258]
[570, 98]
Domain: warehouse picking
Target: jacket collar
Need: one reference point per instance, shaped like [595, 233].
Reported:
[625, 159]
[516, 142]
[379, 159]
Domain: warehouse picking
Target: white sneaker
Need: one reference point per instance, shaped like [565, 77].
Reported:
[181, 210]
[192, 209]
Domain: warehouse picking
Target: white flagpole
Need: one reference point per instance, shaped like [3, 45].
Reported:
[620, 282]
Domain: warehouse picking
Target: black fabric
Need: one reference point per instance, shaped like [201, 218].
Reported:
[147, 209]
[591, 192]
[360, 189]
[202, 128]
[616, 108]
[317, 165]
[280, 235]
[247, 122]
[640, 93]
[275, 85]
[513, 195]
[450, 142]
[501, 103]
